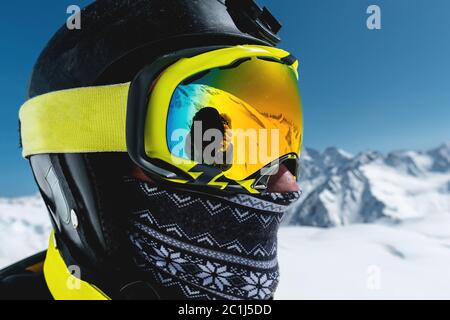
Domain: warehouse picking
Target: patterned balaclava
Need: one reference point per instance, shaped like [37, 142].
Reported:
[204, 247]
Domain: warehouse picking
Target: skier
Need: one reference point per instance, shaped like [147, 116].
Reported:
[131, 217]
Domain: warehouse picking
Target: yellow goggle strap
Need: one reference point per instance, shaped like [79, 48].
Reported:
[62, 284]
[80, 120]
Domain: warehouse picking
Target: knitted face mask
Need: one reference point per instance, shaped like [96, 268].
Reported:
[205, 248]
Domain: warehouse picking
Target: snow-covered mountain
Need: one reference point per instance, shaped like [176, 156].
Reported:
[341, 189]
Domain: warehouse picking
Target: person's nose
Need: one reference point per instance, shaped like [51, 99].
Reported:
[283, 181]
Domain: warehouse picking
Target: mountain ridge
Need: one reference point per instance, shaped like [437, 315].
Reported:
[341, 189]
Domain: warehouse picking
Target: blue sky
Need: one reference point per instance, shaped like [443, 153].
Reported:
[385, 89]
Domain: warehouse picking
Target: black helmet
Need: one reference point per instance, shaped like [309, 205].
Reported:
[117, 38]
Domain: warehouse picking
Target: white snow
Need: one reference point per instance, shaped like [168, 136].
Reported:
[408, 196]
[372, 261]
[24, 228]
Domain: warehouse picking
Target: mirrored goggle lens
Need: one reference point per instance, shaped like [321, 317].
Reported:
[238, 118]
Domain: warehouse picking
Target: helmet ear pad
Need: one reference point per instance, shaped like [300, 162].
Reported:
[89, 186]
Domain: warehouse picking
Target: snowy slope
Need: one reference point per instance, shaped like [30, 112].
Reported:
[24, 228]
[367, 261]
[341, 189]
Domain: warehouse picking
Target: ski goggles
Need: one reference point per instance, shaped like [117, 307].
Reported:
[214, 119]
